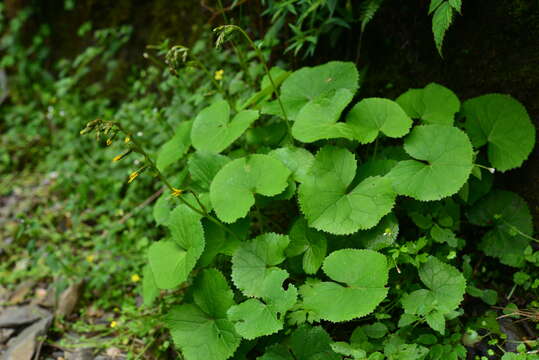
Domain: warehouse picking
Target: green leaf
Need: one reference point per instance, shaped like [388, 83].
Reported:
[381, 236]
[310, 83]
[232, 189]
[276, 352]
[503, 123]
[255, 273]
[365, 274]
[441, 20]
[202, 330]
[176, 147]
[442, 235]
[150, 291]
[434, 5]
[434, 104]
[351, 350]
[312, 244]
[254, 318]
[312, 343]
[446, 282]
[443, 163]
[255, 259]
[436, 321]
[318, 119]
[297, 160]
[329, 204]
[278, 75]
[213, 131]
[161, 209]
[371, 116]
[446, 291]
[203, 166]
[172, 260]
[511, 225]
[456, 4]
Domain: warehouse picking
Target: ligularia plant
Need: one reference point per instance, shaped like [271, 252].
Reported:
[296, 212]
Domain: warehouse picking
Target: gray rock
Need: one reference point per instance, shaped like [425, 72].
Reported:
[14, 316]
[23, 346]
[68, 300]
[79, 354]
[5, 334]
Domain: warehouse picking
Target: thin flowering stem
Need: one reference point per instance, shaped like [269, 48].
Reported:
[241, 55]
[176, 192]
[266, 69]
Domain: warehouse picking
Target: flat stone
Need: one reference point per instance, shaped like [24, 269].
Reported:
[79, 354]
[14, 316]
[5, 334]
[68, 300]
[24, 345]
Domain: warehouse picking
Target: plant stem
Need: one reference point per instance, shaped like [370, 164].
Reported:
[266, 69]
[202, 211]
[241, 55]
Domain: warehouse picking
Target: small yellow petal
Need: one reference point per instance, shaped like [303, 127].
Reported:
[219, 74]
[135, 278]
[113, 324]
[133, 176]
[109, 142]
[90, 258]
[127, 139]
[176, 192]
[117, 158]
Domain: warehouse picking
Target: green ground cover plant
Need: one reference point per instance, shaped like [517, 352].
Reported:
[233, 209]
[304, 222]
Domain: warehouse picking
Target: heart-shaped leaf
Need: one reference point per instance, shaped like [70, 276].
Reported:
[434, 104]
[364, 273]
[329, 204]
[202, 330]
[213, 131]
[172, 260]
[503, 123]
[232, 189]
[310, 83]
[442, 163]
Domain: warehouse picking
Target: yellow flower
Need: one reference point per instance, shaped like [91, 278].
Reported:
[135, 278]
[219, 75]
[133, 176]
[113, 324]
[90, 258]
[121, 156]
[176, 192]
[127, 139]
[109, 142]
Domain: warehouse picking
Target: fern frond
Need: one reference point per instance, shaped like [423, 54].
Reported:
[369, 8]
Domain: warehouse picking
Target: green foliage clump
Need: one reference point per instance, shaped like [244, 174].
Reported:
[288, 211]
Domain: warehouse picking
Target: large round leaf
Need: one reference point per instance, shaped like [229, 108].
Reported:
[232, 189]
[213, 131]
[319, 119]
[310, 83]
[329, 204]
[503, 123]
[442, 163]
[364, 273]
[434, 104]
[374, 115]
